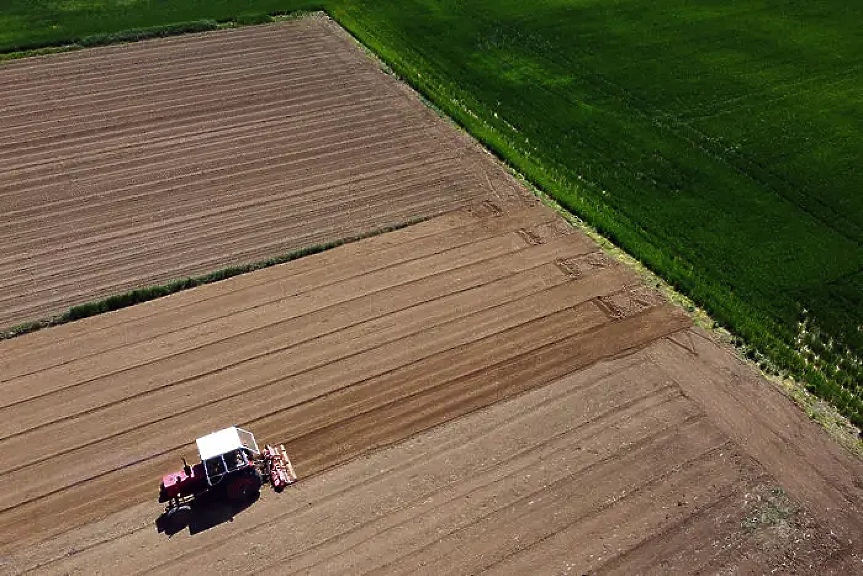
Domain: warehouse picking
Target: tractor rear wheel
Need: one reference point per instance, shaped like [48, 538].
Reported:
[244, 487]
[177, 518]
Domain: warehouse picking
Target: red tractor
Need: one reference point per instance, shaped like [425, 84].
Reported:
[231, 467]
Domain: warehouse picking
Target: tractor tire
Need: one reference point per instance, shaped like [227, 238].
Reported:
[244, 487]
[177, 518]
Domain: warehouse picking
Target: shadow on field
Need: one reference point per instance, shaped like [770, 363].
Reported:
[203, 514]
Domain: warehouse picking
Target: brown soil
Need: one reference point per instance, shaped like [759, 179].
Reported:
[481, 391]
[131, 166]
[471, 393]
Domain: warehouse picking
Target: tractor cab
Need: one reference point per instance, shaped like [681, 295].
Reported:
[227, 452]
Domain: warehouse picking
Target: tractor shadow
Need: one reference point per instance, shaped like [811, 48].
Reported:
[205, 513]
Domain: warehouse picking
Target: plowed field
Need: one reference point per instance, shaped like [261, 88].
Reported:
[481, 391]
[131, 166]
[585, 424]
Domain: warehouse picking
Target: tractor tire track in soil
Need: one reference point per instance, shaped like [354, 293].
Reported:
[481, 391]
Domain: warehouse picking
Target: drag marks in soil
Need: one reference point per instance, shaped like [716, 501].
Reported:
[451, 257]
[615, 457]
[502, 478]
[149, 320]
[243, 148]
[415, 331]
[820, 473]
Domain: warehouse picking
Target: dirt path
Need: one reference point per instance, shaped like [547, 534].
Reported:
[131, 166]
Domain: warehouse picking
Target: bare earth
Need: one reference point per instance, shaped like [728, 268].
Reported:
[482, 391]
[585, 424]
[130, 166]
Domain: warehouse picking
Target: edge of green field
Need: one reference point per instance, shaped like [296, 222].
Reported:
[805, 368]
[151, 32]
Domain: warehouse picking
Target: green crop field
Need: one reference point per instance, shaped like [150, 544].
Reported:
[718, 142]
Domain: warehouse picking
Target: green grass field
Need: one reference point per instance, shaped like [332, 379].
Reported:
[718, 142]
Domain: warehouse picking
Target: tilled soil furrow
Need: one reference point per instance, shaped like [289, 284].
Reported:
[258, 225]
[298, 85]
[135, 453]
[458, 484]
[309, 350]
[320, 148]
[83, 228]
[127, 151]
[160, 54]
[258, 321]
[173, 86]
[112, 331]
[540, 513]
[91, 145]
[255, 226]
[108, 122]
[233, 393]
[440, 400]
[123, 153]
[691, 544]
[189, 76]
[67, 75]
[246, 252]
[468, 457]
[381, 160]
[644, 508]
[384, 176]
[167, 265]
[472, 486]
[77, 142]
[254, 253]
[230, 46]
[39, 163]
[96, 178]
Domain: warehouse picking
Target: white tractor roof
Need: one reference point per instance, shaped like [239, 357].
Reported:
[224, 441]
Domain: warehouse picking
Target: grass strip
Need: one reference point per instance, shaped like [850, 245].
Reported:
[148, 293]
[146, 33]
[138, 34]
